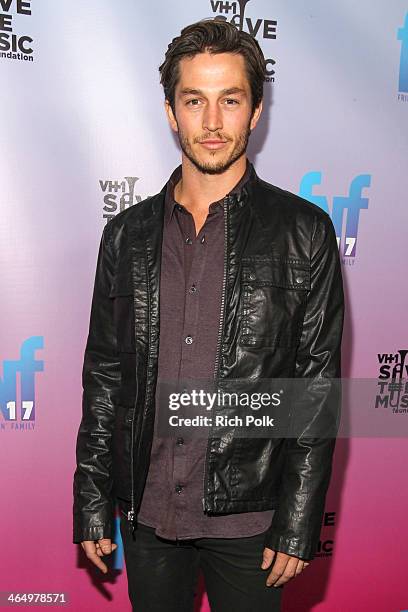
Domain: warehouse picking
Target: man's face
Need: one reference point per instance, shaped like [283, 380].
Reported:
[213, 103]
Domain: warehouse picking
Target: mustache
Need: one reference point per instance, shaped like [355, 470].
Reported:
[212, 137]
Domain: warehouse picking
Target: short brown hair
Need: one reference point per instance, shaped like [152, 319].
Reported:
[216, 36]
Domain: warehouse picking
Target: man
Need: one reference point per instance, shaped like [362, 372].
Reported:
[220, 276]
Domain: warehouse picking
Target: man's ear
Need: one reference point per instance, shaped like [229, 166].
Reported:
[170, 115]
[256, 115]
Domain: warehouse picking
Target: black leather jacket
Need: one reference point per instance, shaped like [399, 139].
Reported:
[275, 242]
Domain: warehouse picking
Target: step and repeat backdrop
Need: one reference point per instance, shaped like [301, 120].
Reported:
[84, 135]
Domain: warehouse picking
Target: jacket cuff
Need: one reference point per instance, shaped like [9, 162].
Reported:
[93, 532]
[304, 549]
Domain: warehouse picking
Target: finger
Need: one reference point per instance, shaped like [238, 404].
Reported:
[100, 552]
[268, 556]
[89, 546]
[278, 568]
[289, 573]
[105, 546]
[98, 562]
[282, 569]
[90, 549]
[300, 567]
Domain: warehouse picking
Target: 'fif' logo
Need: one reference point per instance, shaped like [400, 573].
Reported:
[351, 204]
[27, 366]
[403, 72]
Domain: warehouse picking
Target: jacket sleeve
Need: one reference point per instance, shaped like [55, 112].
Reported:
[93, 507]
[296, 523]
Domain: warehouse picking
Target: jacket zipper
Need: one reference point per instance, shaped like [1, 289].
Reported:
[216, 366]
[131, 512]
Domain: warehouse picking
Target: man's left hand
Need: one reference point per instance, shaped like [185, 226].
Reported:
[284, 569]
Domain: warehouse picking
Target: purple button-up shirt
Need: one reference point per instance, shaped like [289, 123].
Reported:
[190, 306]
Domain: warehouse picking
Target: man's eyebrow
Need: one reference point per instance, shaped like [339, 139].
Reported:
[229, 90]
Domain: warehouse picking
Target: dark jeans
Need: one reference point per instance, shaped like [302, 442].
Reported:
[162, 574]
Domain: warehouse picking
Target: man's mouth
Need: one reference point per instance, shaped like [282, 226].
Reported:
[213, 143]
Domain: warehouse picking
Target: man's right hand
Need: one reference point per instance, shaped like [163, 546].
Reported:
[95, 550]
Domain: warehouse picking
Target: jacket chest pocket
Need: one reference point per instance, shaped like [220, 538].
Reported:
[123, 312]
[274, 295]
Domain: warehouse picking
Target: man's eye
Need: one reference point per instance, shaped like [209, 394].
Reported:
[191, 102]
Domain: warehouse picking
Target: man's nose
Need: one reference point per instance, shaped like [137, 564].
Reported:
[212, 118]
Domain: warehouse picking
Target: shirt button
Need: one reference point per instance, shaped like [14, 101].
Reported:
[188, 339]
[180, 441]
[202, 240]
[189, 241]
[193, 288]
[178, 489]
[178, 207]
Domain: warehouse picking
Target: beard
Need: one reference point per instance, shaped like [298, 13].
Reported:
[215, 165]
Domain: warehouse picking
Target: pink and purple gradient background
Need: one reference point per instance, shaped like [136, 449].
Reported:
[102, 118]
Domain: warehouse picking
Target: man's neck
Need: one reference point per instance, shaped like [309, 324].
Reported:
[196, 191]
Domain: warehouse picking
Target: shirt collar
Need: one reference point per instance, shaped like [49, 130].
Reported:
[170, 203]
